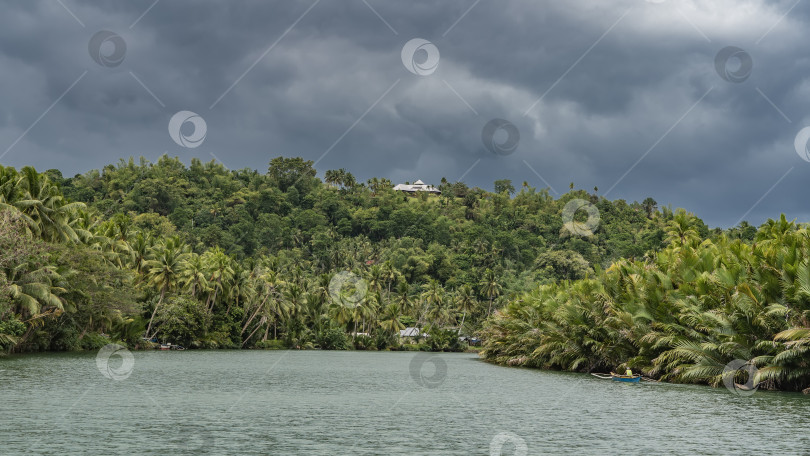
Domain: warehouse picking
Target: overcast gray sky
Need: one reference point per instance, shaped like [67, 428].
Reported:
[639, 98]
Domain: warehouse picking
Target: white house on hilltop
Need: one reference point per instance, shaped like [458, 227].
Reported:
[417, 186]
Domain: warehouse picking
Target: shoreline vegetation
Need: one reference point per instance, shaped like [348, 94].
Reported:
[680, 315]
[206, 257]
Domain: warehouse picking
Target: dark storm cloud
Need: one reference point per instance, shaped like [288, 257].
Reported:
[619, 80]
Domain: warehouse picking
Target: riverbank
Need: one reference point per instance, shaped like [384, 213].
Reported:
[96, 342]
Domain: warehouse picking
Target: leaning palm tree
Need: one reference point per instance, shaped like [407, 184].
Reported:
[34, 292]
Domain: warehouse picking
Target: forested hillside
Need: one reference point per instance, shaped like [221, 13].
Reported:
[209, 257]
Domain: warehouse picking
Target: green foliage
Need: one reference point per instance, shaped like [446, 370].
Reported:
[362, 342]
[270, 345]
[209, 257]
[563, 265]
[181, 320]
[333, 339]
[386, 341]
[94, 341]
[10, 331]
[291, 173]
[444, 340]
[504, 186]
[681, 314]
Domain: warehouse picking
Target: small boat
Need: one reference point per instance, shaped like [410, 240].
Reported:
[619, 378]
[625, 378]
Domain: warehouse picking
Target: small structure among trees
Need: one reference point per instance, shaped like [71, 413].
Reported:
[417, 186]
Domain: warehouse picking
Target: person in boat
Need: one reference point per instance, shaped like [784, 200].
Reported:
[628, 372]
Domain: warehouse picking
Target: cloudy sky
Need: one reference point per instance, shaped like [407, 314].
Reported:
[695, 103]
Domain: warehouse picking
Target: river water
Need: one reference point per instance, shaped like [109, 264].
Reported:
[370, 403]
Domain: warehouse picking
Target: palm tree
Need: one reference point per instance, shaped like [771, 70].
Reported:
[194, 276]
[375, 278]
[331, 177]
[220, 274]
[293, 297]
[680, 230]
[403, 298]
[139, 247]
[434, 297]
[490, 287]
[389, 319]
[164, 268]
[389, 275]
[35, 292]
[42, 205]
[239, 288]
[465, 302]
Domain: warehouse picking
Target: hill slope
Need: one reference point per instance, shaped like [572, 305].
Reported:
[206, 256]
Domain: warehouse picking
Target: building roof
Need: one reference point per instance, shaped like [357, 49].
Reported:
[411, 332]
[417, 186]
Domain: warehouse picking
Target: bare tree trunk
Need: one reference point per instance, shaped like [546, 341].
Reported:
[251, 334]
[23, 339]
[154, 312]
[213, 300]
[259, 308]
[227, 312]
